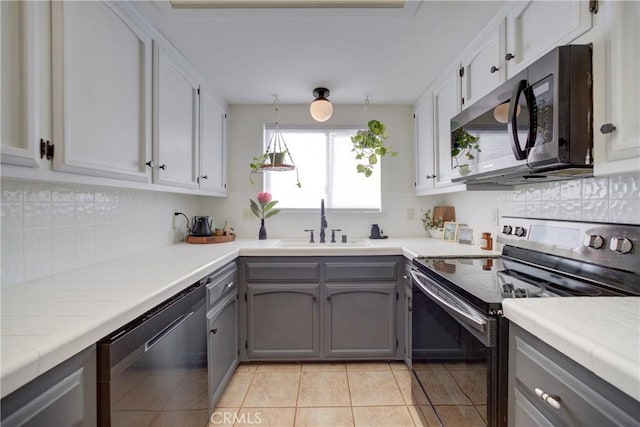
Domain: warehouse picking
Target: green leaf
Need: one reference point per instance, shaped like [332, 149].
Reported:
[455, 152]
[361, 168]
[373, 159]
[368, 172]
[271, 213]
[381, 151]
[269, 205]
[254, 208]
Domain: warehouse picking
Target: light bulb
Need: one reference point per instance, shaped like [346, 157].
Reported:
[321, 109]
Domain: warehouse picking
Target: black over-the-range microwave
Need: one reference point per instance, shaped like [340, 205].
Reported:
[537, 126]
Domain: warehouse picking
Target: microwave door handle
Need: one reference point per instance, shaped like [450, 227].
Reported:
[512, 125]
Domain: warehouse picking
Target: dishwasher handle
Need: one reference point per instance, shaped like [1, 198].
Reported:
[166, 331]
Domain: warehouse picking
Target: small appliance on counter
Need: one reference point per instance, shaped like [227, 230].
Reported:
[376, 233]
[202, 231]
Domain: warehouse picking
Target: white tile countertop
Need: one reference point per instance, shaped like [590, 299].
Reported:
[602, 334]
[46, 321]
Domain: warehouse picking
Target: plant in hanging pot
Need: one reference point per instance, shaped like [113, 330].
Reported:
[263, 209]
[463, 144]
[369, 144]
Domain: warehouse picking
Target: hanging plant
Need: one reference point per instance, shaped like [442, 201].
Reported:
[369, 144]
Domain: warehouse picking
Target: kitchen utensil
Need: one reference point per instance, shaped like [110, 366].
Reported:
[201, 226]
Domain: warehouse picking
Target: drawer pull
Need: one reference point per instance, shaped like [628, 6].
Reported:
[229, 285]
[549, 399]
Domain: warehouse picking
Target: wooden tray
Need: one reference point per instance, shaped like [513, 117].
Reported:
[210, 239]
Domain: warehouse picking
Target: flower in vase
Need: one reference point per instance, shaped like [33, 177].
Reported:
[264, 207]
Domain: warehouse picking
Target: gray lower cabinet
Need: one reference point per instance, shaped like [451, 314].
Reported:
[222, 327]
[546, 388]
[64, 396]
[283, 321]
[360, 320]
[406, 314]
[321, 308]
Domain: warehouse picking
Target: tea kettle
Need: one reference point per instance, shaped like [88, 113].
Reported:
[202, 226]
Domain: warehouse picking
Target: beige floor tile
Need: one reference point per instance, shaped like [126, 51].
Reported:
[273, 389]
[382, 416]
[324, 417]
[424, 416]
[152, 393]
[403, 378]
[224, 417]
[473, 384]
[442, 388]
[428, 366]
[279, 367]
[482, 410]
[368, 366]
[236, 390]
[398, 366]
[369, 388]
[133, 418]
[191, 394]
[266, 417]
[182, 418]
[460, 416]
[327, 366]
[324, 389]
[247, 367]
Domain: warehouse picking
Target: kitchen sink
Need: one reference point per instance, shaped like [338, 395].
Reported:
[299, 243]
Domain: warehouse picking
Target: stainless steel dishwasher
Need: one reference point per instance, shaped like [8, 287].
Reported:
[154, 369]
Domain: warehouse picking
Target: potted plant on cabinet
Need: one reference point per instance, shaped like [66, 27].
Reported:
[464, 144]
[369, 144]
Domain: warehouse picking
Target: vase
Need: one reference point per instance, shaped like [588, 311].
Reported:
[435, 233]
[262, 234]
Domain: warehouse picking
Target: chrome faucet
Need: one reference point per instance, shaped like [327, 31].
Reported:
[323, 222]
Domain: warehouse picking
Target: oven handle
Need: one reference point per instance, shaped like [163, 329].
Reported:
[472, 318]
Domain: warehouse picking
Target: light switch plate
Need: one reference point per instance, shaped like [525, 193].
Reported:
[247, 215]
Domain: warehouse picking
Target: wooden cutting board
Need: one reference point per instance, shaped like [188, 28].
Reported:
[447, 213]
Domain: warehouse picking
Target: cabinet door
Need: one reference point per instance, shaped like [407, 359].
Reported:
[483, 69]
[360, 320]
[23, 94]
[283, 321]
[101, 90]
[407, 315]
[175, 119]
[222, 345]
[212, 176]
[424, 150]
[446, 103]
[618, 151]
[535, 27]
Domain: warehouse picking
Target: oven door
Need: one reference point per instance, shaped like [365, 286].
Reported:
[455, 358]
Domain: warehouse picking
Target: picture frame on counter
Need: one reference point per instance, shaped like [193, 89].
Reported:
[465, 235]
[450, 231]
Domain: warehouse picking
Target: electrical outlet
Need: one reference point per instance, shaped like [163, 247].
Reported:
[410, 213]
[247, 215]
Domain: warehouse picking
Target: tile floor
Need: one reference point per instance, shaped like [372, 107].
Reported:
[320, 394]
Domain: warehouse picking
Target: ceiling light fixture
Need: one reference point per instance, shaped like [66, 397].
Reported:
[321, 108]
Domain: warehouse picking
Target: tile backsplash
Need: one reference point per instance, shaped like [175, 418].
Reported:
[615, 199]
[50, 228]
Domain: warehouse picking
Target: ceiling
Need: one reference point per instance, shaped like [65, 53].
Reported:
[390, 55]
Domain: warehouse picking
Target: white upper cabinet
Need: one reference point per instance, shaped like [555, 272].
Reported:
[446, 97]
[534, 27]
[25, 84]
[424, 146]
[175, 119]
[616, 87]
[102, 90]
[212, 177]
[483, 67]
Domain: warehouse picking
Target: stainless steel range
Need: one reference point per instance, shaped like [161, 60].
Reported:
[459, 337]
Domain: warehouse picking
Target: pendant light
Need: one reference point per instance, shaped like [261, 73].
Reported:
[321, 108]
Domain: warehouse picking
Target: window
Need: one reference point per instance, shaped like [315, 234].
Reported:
[327, 170]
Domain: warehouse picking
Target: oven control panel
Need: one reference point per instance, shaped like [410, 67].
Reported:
[602, 243]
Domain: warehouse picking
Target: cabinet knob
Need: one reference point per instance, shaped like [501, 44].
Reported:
[549, 399]
[509, 56]
[214, 331]
[205, 177]
[163, 166]
[493, 69]
[328, 298]
[314, 298]
[149, 163]
[607, 128]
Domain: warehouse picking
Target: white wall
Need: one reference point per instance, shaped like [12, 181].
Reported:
[245, 133]
[51, 228]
